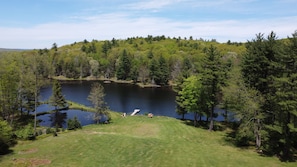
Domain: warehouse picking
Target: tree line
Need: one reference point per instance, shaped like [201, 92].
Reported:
[259, 90]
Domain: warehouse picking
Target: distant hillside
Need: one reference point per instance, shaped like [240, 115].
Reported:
[12, 50]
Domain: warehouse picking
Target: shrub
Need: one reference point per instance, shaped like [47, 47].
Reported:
[39, 132]
[55, 134]
[76, 122]
[48, 131]
[73, 124]
[4, 147]
[6, 138]
[27, 133]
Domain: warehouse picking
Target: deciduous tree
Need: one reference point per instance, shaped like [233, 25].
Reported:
[96, 97]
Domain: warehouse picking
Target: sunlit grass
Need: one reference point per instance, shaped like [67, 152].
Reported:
[77, 106]
[137, 141]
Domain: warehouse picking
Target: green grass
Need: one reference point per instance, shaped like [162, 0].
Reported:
[74, 105]
[136, 141]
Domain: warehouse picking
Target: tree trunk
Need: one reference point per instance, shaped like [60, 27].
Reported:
[226, 115]
[258, 133]
[195, 119]
[211, 119]
[287, 155]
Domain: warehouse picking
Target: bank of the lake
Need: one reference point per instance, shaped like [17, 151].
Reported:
[108, 80]
[137, 141]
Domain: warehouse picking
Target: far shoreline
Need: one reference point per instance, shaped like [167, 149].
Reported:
[109, 80]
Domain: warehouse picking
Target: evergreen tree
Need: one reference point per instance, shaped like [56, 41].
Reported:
[57, 99]
[284, 128]
[150, 54]
[134, 73]
[271, 70]
[124, 66]
[106, 46]
[163, 72]
[180, 109]
[154, 71]
[55, 47]
[6, 139]
[213, 77]
[187, 67]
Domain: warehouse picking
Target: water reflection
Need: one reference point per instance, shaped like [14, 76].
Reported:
[58, 119]
[50, 120]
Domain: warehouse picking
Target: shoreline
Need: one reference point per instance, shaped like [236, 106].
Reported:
[109, 80]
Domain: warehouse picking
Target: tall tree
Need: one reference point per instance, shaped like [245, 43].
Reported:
[9, 100]
[180, 109]
[271, 70]
[191, 95]
[55, 47]
[186, 67]
[154, 71]
[163, 71]
[245, 103]
[284, 128]
[213, 77]
[30, 83]
[57, 99]
[124, 66]
[94, 67]
[96, 97]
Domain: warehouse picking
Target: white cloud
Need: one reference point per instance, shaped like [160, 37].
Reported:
[121, 26]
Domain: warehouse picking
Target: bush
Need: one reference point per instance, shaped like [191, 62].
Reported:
[73, 124]
[6, 139]
[4, 147]
[26, 134]
[39, 132]
[55, 134]
[48, 131]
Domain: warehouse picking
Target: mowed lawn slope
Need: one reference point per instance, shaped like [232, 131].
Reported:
[136, 141]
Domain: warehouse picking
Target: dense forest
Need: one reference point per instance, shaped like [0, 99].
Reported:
[256, 81]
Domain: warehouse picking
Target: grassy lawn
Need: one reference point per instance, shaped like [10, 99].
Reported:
[136, 141]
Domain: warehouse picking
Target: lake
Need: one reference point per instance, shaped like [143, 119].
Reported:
[120, 97]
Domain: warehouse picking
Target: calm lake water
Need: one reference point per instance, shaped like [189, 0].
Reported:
[119, 97]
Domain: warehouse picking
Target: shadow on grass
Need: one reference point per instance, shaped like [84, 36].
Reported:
[233, 138]
[7, 152]
[200, 124]
[218, 125]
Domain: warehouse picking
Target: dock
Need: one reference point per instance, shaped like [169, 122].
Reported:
[135, 112]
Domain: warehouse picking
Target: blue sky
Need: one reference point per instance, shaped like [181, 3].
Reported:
[28, 24]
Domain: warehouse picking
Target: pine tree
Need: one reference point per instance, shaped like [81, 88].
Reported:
[124, 66]
[163, 72]
[213, 77]
[271, 70]
[180, 109]
[285, 114]
[154, 71]
[57, 99]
